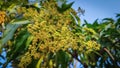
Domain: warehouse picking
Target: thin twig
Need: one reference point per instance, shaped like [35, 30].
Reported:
[108, 52]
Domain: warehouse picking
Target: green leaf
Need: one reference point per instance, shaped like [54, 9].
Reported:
[77, 19]
[29, 39]
[102, 33]
[39, 62]
[9, 32]
[118, 15]
[37, 5]
[1, 56]
[20, 41]
[86, 22]
[12, 8]
[20, 21]
[65, 6]
[19, 45]
[107, 26]
[62, 58]
[108, 19]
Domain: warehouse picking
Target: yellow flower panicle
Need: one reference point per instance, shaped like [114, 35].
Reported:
[92, 46]
[2, 17]
[52, 32]
[25, 61]
[90, 30]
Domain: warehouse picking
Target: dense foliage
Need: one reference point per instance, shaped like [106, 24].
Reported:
[48, 34]
[109, 38]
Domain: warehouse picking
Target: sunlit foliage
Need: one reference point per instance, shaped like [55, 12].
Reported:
[48, 35]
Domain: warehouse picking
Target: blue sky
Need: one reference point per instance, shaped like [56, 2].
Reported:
[97, 8]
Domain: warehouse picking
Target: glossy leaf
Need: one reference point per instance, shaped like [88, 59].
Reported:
[9, 32]
[77, 20]
[20, 21]
[65, 6]
[19, 45]
[39, 62]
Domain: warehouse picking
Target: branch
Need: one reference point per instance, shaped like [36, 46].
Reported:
[108, 52]
[75, 55]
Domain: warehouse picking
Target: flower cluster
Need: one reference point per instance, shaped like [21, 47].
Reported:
[25, 61]
[52, 32]
[50, 37]
[2, 16]
[89, 30]
[89, 46]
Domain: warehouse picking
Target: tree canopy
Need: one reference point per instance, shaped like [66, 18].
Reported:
[49, 34]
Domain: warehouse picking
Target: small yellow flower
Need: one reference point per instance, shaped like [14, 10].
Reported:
[2, 16]
[89, 30]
